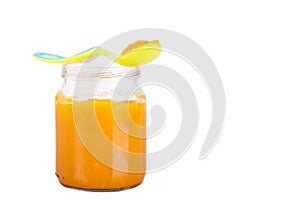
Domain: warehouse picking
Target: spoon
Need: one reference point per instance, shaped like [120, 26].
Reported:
[135, 54]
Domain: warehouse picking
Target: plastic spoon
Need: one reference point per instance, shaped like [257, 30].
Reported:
[136, 54]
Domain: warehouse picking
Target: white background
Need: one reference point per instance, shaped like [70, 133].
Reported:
[255, 46]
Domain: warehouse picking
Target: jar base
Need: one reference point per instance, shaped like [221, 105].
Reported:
[99, 190]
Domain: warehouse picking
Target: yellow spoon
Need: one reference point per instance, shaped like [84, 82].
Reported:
[135, 54]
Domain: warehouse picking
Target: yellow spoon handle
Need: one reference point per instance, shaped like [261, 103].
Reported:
[91, 52]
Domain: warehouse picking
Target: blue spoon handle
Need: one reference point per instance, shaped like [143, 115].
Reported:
[48, 56]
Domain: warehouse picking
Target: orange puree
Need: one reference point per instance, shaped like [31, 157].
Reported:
[77, 167]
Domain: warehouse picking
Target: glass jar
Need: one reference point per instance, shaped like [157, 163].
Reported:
[100, 127]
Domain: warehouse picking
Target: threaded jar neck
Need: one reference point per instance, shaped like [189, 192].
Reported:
[98, 70]
[98, 80]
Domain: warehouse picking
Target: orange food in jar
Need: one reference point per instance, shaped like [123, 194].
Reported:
[77, 167]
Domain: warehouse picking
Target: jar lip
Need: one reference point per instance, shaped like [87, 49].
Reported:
[98, 70]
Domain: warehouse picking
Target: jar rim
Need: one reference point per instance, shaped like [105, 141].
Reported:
[98, 70]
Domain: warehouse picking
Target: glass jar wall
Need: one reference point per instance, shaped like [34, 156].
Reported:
[91, 99]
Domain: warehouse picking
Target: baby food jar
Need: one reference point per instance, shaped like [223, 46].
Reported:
[100, 127]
